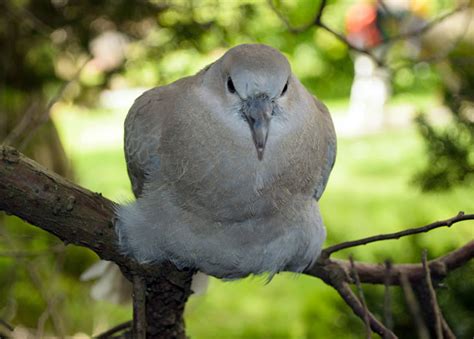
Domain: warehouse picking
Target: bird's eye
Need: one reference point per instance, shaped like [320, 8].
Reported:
[284, 89]
[230, 85]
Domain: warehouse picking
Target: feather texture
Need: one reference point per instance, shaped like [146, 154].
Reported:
[204, 198]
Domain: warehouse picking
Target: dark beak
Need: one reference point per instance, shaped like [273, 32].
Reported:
[258, 113]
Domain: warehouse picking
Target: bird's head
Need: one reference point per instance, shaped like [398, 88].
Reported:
[255, 78]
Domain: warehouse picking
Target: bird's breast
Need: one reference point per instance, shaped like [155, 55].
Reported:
[232, 184]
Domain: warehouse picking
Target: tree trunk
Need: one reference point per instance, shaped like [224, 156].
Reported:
[166, 297]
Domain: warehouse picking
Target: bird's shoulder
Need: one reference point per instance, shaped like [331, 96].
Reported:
[151, 108]
[328, 146]
[142, 136]
[151, 113]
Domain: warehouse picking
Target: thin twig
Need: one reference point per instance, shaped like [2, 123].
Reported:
[350, 45]
[385, 8]
[360, 291]
[317, 22]
[426, 27]
[387, 304]
[364, 241]
[447, 332]
[414, 308]
[51, 299]
[25, 16]
[432, 296]
[51, 296]
[7, 325]
[350, 298]
[335, 276]
[441, 53]
[27, 117]
[115, 329]
[319, 14]
[47, 113]
[30, 123]
[287, 23]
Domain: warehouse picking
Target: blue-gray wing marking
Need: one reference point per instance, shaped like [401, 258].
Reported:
[142, 137]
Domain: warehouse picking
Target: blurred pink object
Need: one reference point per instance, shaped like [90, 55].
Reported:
[361, 25]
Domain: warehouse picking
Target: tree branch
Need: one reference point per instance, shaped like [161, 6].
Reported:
[33, 119]
[337, 277]
[114, 330]
[72, 213]
[337, 273]
[84, 218]
[360, 291]
[397, 235]
[81, 217]
[377, 273]
[349, 297]
[427, 26]
[433, 301]
[387, 304]
[47, 200]
[317, 22]
[302, 28]
[7, 325]
[414, 308]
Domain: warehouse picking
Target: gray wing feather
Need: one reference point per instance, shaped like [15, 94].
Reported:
[142, 138]
[330, 152]
[141, 144]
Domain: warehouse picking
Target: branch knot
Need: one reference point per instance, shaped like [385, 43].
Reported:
[10, 155]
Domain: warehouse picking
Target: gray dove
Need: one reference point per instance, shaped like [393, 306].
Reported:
[228, 167]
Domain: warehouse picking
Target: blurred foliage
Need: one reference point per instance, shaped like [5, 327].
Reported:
[45, 43]
[450, 149]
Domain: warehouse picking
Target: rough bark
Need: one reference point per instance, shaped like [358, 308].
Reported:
[84, 218]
